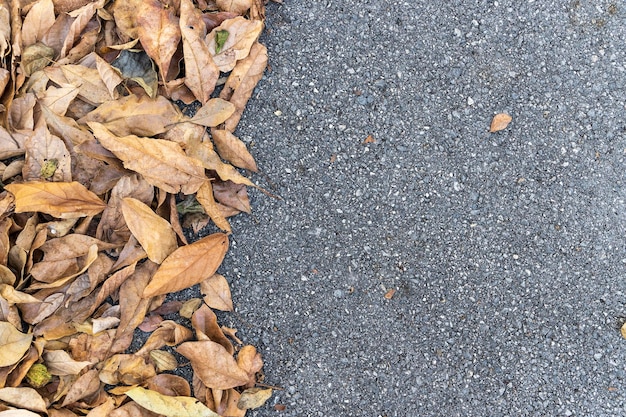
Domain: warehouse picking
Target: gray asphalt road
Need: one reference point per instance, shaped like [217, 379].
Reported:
[506, 251]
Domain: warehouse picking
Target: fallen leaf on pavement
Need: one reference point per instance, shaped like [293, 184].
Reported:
[500, 122]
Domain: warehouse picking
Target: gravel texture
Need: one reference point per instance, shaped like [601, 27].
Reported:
[506, 250]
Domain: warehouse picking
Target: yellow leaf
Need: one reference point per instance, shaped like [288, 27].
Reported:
[188, 265]
[59, 199]
[162, 163]
[23, 397]
[153, 232]
[500, 122]
[13, 344]
[169, 406]
[221, 372]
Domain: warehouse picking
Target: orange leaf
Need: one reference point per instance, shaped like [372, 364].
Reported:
[188, 265]
[221, 372]
[500, 122]
[59, 199]
[162, 163]
[153, 232]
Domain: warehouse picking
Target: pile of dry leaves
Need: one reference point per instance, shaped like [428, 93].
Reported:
[98, 168]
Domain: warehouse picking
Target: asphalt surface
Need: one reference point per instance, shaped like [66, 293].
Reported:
[506, 250]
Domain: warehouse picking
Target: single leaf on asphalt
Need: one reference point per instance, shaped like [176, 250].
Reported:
[162, 163]
[254, 398]
[241, 82]
[159, 33]
[213, 113]
[59, 199]
[500, 122]
[201, 73]
[221, 372]
[13, 344]
[232, 149]
[242, 33]
[169, 406]
[216, 293]
[23, 397]
[188, 265]
[153, 232]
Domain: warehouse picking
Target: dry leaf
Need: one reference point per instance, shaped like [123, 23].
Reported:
[189, 265]
[220, 373]
[235, 6]
[154, 233]
[23, 397]
[232, 149]
[162, 163]
[135, 115]
[215, 112]
[216, 293]
[242, 33]
[206, 199]
[201, 73]
[254, 398]
[168, 384]
[389, 294]
[59, 362]
[169, 406]
[241, 82]
[500, 122]
[59, 199]
[159, 33]
[204, 322]
[14, 344]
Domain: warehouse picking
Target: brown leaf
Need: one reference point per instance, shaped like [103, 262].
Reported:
[23, 397]
[59, 199]
[215, 112]
[159, 33]
[47, 158]
[91, 88]
[241, 82]
[500, 122]
[189, 265]
[235, 6]
[201, 73]
[135, 115]
[254, 398]
[232, 195]
[250, 361]
[37, 22]
[167, 384]
[82, 17]
[232, 149]
[86, 385]
[216, 293]
[11, 144]
[222, 372]
[162, 163]
[153, 232]
[59, 362]
[58, 99]
[127, 369]
[204, 322]
[206, 199]
[242, 33]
